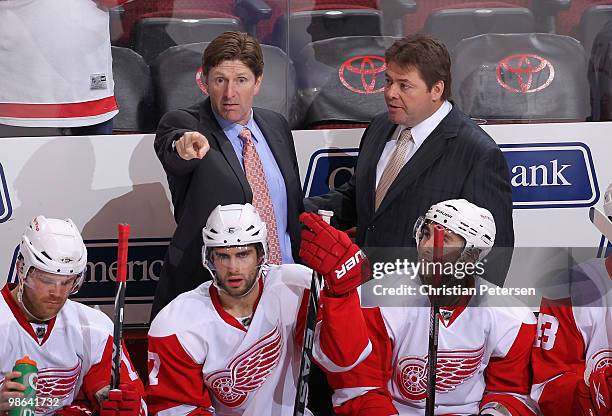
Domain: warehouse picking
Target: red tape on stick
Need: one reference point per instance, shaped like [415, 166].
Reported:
[438, 251]
[122, 251]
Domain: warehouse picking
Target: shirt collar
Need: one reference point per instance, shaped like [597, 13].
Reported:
[233, 129]
[423, 129]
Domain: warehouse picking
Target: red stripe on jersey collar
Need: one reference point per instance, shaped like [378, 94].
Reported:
[229, 319]
[21, 318]
[608, 263]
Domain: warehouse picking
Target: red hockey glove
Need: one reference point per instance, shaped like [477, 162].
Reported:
[74, 410]
[595, 399]
[122, 402]
[332, 253]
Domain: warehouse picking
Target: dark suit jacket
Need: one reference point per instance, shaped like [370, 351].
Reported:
[198, 186]
[457, 160]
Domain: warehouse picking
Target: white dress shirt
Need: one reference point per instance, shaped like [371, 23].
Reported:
[419, 133]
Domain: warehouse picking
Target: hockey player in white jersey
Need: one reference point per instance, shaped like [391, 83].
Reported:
[483, 351]
[71, 343]
[572, 353]
[231, 346]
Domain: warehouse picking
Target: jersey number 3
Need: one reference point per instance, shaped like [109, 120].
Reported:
[547, 331]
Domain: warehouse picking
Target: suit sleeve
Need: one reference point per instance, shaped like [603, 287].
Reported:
[171, 127]
[488, 186]
[99, 374]
[176, 384]
[342, 200]
[558, 358]
[507, 376]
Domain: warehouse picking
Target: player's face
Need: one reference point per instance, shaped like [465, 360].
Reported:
[232, 86]
[408, 99]
[46, 293]
[236, 268]
[453, 244]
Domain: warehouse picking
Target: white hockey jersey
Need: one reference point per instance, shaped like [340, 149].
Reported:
[73, 358]
[56, 66]
[201, 357]
[483, 354]
[574, 335]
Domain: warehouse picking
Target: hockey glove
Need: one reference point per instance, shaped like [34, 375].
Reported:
[332, 253]
[74, 410]
[122, 402]
[595, 399]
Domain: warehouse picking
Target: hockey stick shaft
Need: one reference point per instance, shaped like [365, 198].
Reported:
[434, 323]
[301, 394]
[122, 253]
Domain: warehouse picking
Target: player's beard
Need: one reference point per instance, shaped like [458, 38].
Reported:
[244, 289]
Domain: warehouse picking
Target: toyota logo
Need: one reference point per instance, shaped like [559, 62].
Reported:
[359, 74]
[516, 73]
[199, 77]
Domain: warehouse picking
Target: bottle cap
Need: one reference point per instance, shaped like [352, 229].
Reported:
[26, 360]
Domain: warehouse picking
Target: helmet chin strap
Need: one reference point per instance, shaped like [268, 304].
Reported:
[20, 290]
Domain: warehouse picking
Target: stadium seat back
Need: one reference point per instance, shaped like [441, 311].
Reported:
[521, 77]
[593, 20]
[315, 25]
[153, 35]
[415, 22]
[600, 75]
[177, 79]
[341, 80]
[133, 91]
[453, 25]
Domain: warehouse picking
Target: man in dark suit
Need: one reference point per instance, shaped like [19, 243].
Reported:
[422, 151]
[223, 151]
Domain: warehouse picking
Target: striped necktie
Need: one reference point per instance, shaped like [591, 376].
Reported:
[262, 202]
[398, 158]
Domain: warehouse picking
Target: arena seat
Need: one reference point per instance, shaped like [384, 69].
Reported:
[521, 78]
[312, 26]
[177, 82]
[133, 91]
[592, 21]
[248, 12]
[341, 80]
[314, 20]
[453, 25]
[568, 20]
[153, 35]
[600, 75]
[544, 11]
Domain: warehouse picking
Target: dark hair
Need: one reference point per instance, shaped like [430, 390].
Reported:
[230, 46]
[428, 55]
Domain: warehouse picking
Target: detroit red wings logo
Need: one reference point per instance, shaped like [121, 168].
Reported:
[248, 371]
[599, 360]
[56, 383]
[454, 368]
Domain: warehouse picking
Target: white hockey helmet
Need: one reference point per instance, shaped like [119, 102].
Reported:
[234, 225]
[473, 223]
[54, 246]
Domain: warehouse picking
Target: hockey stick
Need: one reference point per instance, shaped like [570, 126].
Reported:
[434, 323]
[601, 221]
[122, 252]
[301, 393]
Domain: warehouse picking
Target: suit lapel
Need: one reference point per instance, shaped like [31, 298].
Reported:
[431, 150]
[213, 132]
